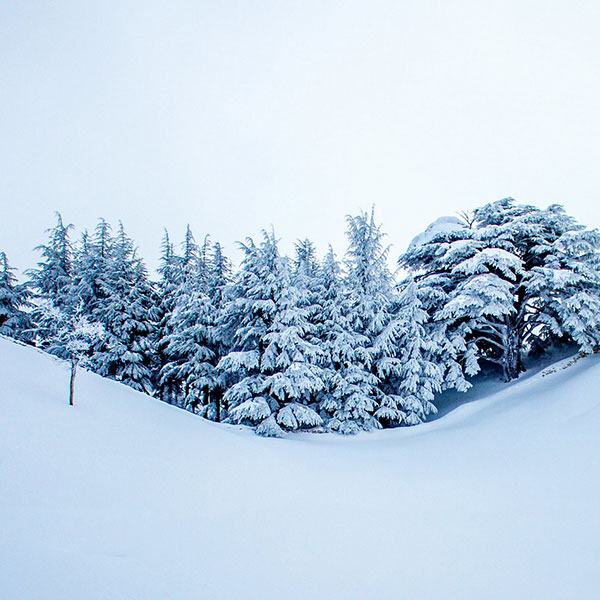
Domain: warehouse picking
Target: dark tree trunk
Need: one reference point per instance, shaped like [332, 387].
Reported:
[217, 398]
[511, 360]
[72, 382]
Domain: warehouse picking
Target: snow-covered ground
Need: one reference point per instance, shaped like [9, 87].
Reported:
[123, 497]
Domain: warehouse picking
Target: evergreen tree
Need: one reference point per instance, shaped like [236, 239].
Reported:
[129, 318]
[515, 278]
[15, 322]
[367, 304]
[219, 280]
[332, 332]
[112, 283]
[271, 368]
[189, 347]
[409, 369]
[53, 278]
[189, 344]
[220, 273]
[189, 255]
[91, 270]
[168, 286]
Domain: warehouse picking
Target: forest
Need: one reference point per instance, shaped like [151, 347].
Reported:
[314, 343]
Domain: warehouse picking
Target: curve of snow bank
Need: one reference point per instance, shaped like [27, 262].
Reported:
[124, 497]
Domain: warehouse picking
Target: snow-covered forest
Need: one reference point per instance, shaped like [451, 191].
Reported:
[307, 342]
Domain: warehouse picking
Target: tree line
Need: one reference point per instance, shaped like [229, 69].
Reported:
[307, 343]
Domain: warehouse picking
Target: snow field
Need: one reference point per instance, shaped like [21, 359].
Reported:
[125, 497]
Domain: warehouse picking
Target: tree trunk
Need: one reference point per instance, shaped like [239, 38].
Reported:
[511, 359]
[72, 383]
[217, 400]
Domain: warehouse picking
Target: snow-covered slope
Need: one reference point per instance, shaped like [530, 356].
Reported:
[123, 497]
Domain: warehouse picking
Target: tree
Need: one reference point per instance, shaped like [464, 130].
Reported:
[112, 283]
[366, 304]
[167, 290]
[69, 335]
[271, 372]
[189, 348]
[15, 322]
[410, 370]
[514, 278]
[91, 269]
[129, 317]
[189, 345]
[53, 278]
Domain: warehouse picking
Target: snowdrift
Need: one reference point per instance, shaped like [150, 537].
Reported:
[124, 497]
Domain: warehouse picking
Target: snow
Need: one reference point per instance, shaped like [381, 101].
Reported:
[125, 497]
[441, 225]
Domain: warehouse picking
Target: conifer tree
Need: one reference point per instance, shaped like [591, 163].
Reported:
[91, 270]
[189, 347]
[167, 288]
[53, 277]
[366, 309]
[514, 278]
[112, 283]
[409, 368]
[15, 322]
[270, 369]
[129, 318]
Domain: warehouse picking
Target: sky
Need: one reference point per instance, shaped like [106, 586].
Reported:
[237, 116]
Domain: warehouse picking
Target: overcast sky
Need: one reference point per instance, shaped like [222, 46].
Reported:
[233, 116]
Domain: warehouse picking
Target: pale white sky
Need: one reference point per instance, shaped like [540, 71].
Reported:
[233, 116]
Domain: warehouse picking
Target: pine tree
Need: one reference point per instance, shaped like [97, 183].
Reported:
[219, 280]
[129, 318]
[112, 283]
[189, 344]
[91, 270]
[409, 369]
[189, 255]
[167, 290]
[366, 305]
[53, 278]
[220, 272]
[15, 322]
[271, 371]
[189, 347]
[332, 332]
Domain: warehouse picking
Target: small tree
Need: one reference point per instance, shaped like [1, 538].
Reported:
[69, 335]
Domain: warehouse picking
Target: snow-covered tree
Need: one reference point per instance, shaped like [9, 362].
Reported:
[15, 322]
[112, 283]
[220, 273]
[189, 368]
[129, 318]
[514, 278]
[409, 367]
[167, 288]
[271, 370]
[53, 277]
[365, 311]
[69, 335]
[91, 268]
[192, 289]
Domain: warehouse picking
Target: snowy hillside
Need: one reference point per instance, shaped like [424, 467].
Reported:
[124, 497]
